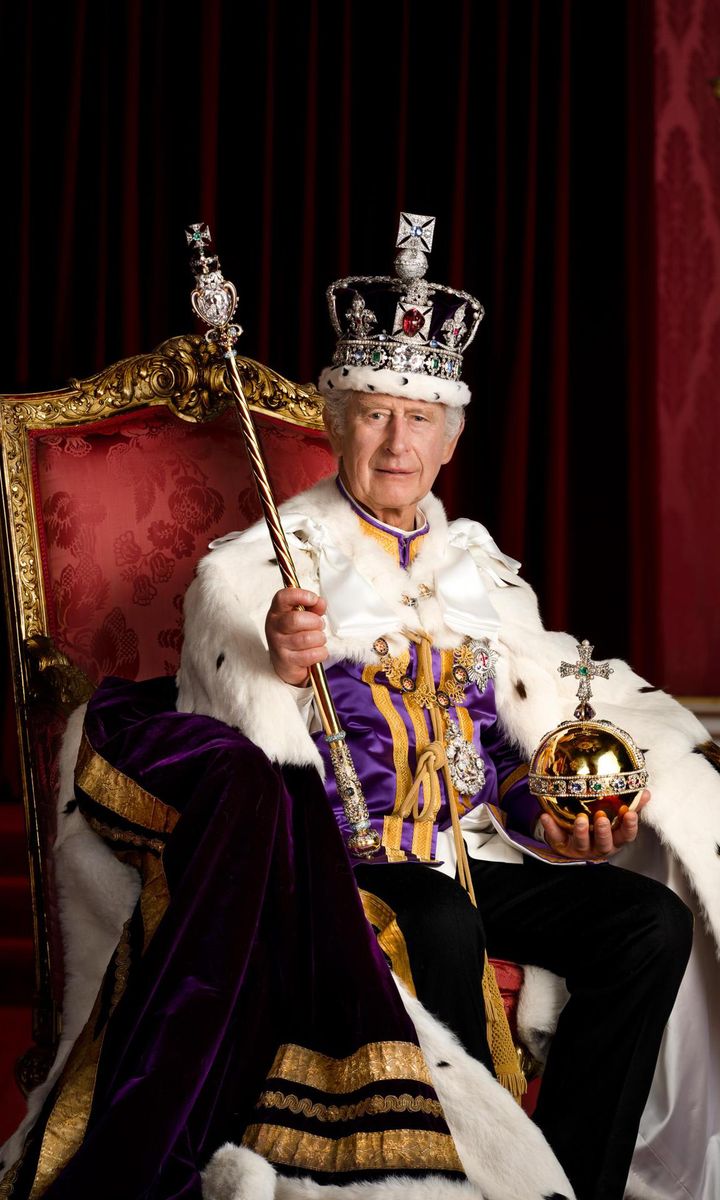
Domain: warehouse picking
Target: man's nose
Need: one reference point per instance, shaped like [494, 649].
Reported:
[396, 440]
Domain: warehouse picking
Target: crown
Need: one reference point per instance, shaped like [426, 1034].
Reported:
[401, 335]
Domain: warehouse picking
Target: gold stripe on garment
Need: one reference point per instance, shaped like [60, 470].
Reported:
[391, 939]
[372, 1105]
[423, 829]
[154, 897]
[389, 1149]
[67, 1122]
[373, 1062]
[113, 834]
[392, 824]
[111, 789]
[464, 803]
[514, 777]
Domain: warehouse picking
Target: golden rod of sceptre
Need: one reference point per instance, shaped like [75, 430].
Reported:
[214, 299]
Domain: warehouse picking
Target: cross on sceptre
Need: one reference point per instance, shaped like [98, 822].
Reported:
[585, 671]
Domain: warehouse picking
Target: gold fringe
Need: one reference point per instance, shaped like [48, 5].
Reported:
[502, 1048]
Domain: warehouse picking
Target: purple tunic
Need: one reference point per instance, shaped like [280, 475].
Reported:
[385, 729]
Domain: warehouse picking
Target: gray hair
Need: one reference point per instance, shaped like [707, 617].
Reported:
[336, 403]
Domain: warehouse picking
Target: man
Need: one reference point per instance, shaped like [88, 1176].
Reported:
[434, 647]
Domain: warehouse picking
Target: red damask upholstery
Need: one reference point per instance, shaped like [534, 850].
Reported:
[127, 507]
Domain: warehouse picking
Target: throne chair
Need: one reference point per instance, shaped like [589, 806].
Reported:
[111, 490]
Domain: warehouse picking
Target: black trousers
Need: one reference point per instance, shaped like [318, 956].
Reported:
[620, 941]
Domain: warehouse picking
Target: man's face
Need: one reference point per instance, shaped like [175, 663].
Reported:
[390, 452]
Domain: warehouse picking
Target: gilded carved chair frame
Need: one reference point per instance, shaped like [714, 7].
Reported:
[183, 376]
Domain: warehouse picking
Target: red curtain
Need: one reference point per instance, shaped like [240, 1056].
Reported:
[297, 131]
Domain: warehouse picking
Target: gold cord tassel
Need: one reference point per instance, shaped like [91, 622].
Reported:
[502, 1048]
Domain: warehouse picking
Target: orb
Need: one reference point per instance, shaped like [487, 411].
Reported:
[588, 767]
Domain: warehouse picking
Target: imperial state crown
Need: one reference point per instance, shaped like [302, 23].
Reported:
[401, 334]
[587, 765]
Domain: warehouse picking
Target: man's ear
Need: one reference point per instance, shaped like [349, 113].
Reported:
[450, 446]
[333, 438]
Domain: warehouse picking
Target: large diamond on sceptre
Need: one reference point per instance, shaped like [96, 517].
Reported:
[587, 765]
[214, 299]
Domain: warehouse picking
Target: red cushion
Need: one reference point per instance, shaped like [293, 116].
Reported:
[127, 506]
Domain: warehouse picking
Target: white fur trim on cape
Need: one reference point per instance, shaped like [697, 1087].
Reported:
[226, 606]
[412, 384]
[96, 894]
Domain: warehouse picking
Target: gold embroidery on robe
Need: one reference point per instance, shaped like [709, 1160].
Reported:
[373, 1105]
[111, 789]
[372, 1062]
[398, 1149]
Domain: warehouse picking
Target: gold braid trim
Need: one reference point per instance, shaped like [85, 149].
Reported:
[113, 834]
[373, 1062]
[113, 790]
[392, 824]
[350, 1112]
[67, 1122]
[389, 1149]
[465, 721]
[391, 939]
[514, 777]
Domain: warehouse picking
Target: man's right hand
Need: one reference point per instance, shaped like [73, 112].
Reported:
[296, 639]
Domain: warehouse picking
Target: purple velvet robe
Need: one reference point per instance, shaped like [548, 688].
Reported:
[248, 949]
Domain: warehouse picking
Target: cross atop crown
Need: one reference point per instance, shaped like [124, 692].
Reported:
[421, 229]
[585, 670]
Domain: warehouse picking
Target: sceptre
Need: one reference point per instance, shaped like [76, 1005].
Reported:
[214, 300]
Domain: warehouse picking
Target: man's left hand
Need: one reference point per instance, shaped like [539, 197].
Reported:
[580, 842]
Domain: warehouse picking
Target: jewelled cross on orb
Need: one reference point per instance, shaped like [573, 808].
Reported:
[585, 670]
